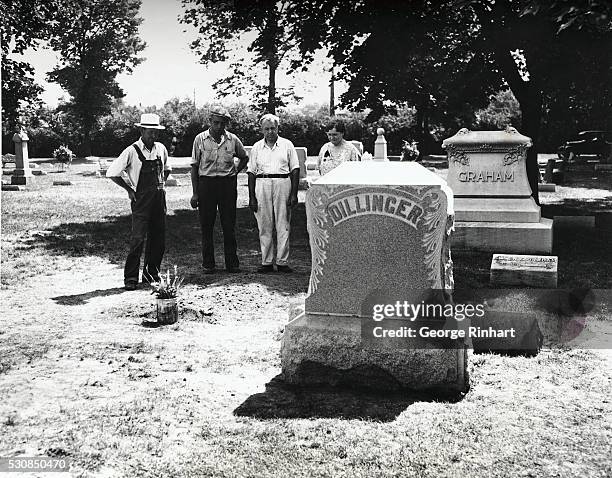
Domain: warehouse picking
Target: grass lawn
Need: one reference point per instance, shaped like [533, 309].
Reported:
[81, 376]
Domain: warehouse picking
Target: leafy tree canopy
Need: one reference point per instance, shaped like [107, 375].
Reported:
[96, 40]
[446, 57]
[24, 24]
[226, 26]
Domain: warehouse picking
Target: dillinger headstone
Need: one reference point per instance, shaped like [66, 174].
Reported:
[379, 234]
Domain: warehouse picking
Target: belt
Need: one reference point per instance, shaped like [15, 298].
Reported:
[272, 176]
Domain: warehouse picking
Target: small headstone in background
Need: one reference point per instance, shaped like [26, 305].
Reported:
[380, 146]
[172, 181]
[8, 158]
[358, 145]
[12, 187]
[302, 156]
[547, 188]
[603, 167]
[521, 269]
[37, 170]
[102, 166]
[22, 173]
[62, 183]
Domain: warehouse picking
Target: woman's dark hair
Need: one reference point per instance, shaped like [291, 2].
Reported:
[337, 125]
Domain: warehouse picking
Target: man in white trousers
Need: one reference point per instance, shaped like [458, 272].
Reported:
[274, 174]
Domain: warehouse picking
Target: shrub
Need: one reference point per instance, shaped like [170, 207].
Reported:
[63, 155]
[502, 110]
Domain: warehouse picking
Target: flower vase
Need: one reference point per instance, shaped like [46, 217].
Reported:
[167, 311]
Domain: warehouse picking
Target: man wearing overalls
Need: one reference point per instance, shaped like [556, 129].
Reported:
[146, 165]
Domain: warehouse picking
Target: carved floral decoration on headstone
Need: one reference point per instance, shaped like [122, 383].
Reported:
[435, 245]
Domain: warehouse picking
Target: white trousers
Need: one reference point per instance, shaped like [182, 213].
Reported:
[272, 210]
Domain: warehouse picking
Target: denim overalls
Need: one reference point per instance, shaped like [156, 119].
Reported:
[148, 219]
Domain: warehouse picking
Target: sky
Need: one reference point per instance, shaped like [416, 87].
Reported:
[171, 69]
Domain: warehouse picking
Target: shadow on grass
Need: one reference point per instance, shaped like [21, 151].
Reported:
[109, 240]
[281, 400]
[583, 176]
[577, 207]
[80, 299]
[580, 251]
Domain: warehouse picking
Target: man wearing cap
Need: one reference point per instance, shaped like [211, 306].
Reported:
[214, 186]
[274, 174]
[147, 167]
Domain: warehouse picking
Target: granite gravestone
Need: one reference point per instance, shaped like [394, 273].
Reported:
[380, 146]
[22, 173]
[521, 269]
[379, 233]
[302, 156]
[493, 204]
[358, 145]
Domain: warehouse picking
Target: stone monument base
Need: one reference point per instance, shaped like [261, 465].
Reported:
[21, 177]
[496, 209]
[504, 237]
[328, 350]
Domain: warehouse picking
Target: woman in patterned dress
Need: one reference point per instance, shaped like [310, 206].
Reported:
[337, 150]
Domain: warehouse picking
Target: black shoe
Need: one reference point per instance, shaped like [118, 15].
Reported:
[233, 270]
[131, 286]
[209, 270]
[264, 269]
[284, 269]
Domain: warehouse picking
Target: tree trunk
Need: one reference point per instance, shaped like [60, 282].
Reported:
[85, 149]
[531, 111]
[271, 106]
[529, 96]
[422, 120]
[86, 144]
[332, 96]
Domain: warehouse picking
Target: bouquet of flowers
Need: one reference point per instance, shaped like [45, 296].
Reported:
[410, 151]
[168, 285]
[63, 155]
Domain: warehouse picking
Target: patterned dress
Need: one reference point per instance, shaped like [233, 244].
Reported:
[331, 156]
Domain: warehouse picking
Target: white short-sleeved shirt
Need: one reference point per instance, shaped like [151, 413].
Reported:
[129, 162]
[278, 159]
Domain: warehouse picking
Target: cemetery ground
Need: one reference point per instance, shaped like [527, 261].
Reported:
[81, 377]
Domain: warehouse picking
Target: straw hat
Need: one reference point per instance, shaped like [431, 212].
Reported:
[149, 120]
[221, 112]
